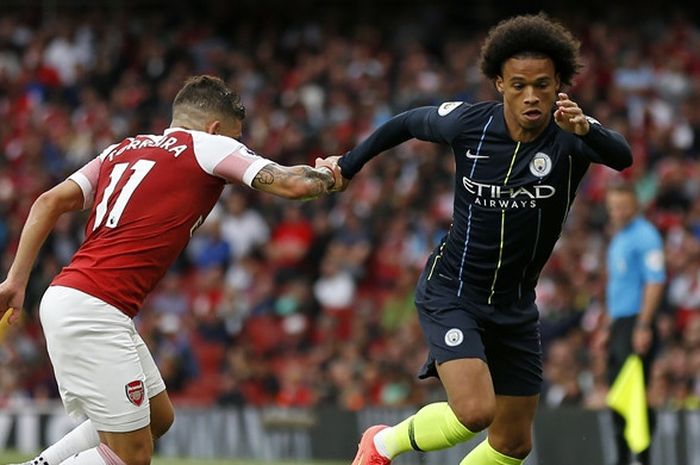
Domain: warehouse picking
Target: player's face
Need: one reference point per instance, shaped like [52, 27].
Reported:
[622, 207]
[529, 87]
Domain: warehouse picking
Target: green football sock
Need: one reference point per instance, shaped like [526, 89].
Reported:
[433, 427]
[484, 454]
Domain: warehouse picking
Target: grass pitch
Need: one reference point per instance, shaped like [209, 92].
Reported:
[8, 456]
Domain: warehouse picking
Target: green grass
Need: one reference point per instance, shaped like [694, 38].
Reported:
[7, 456]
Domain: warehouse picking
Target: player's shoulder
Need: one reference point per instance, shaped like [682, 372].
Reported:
[456, 108]
[645, 229]
[203, 141]
[211, 149]
[642, 235]
[460, 115]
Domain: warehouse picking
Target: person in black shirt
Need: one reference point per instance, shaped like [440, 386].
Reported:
[518, 164]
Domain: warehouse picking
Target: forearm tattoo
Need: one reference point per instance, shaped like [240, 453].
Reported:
[310, 182]
[317, 181]
[265, 176]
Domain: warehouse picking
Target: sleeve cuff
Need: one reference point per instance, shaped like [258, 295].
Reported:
[82, 181]
[593, 130]
[345, 170]
[253, 170]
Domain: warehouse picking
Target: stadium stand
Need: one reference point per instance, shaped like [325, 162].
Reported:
[275, 303]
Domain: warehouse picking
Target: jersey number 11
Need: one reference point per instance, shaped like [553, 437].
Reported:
[140, 169]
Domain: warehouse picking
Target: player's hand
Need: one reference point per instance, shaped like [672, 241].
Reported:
[11, 296]
[331, 162]
[570, 117]
[641, 339]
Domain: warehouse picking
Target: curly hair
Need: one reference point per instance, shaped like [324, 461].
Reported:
[530, 35]
[209, 94]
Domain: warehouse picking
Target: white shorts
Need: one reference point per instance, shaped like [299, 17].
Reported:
[103, 368]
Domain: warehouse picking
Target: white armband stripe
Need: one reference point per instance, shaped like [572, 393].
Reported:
[82, 181]
[254, 169]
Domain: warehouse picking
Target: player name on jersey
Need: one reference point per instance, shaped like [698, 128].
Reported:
[164, 142]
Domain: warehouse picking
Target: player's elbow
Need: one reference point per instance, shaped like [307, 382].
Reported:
[59, 199]
[623, 158]
[625, 161]
[48, 203]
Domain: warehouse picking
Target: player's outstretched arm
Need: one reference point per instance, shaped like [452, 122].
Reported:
[601, 145]
[294, 182]
[430, 124]
[43, 215]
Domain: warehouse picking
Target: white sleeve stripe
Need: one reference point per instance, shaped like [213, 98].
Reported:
[254, 169]
[82, 181]
[107, 151]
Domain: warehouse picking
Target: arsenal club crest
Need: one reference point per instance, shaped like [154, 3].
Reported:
[135, 392]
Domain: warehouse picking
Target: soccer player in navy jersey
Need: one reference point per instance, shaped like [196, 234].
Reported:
[518, 164]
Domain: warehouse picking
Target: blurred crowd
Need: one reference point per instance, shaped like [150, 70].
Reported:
[300, 304]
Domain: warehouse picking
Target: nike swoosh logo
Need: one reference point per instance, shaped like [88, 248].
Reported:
[474, 156]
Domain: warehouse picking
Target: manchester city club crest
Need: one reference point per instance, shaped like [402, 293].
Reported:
[454, 337]
[541, 164]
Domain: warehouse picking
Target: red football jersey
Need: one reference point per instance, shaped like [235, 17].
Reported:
[150, 193]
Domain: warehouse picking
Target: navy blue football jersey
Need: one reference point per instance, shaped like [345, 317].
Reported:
[511, 198]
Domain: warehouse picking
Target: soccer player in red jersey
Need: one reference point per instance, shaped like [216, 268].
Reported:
[147, 194]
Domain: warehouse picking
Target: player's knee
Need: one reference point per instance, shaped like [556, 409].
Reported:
[475, 414]
[140, 460]
[516, 447]
[512, 441]
[135, 450]
[139, 456]
[162, 424]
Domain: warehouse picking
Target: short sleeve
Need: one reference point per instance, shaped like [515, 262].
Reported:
[241, 166]
[87, 176]
[211, 149]
[652, 253]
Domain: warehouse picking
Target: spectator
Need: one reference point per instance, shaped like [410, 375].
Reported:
[242, 227]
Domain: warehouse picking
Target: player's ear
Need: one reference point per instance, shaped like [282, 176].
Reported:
[213, 126]
[498, 82]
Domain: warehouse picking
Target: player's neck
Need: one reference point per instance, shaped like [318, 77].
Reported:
[186, 123]
[520, 134]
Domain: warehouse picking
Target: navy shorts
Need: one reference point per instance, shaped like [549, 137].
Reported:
[507, 338]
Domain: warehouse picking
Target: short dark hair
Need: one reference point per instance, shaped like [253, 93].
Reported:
[209, 94]
[531, 35]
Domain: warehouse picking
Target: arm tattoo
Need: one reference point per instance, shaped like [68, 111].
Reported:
[319, 181]
[265, 176]
[299, 181]
[323, 175]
